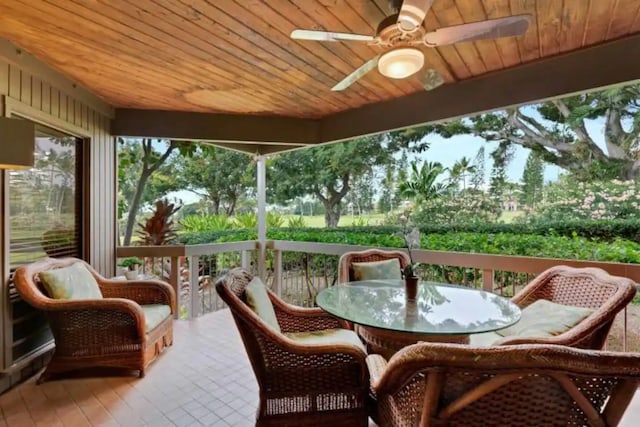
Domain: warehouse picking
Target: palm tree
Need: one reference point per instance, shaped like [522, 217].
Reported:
[422, 185]
[460, 170]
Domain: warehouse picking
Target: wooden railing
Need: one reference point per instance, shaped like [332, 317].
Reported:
[190, 270]
[297, 271]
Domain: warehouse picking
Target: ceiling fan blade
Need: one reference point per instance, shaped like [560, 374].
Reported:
[491, 29]
[327, 36]
[412, 13]
[431, 79]
[357, 74]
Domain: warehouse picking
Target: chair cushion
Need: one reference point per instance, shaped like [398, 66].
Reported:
[544, 318]
[484, 340]
[258, 300]
[377, 270]
[154, 314]
[327, 336]
[73, 282]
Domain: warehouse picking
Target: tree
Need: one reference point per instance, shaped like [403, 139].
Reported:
[422, 186]
[148, 160]
[328, 172]
[532, 180]
[557, 129]
[386, 201]
[501, 157]
[361, 194]
[460, 170]
[478, 177]
[221, 176]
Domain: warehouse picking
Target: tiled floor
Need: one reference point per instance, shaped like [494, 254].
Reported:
[204, 379]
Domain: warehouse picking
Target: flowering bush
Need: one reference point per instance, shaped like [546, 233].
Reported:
[596, 200]
[467, 208]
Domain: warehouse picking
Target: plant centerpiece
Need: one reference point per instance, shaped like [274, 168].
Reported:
[412, 241]
[131, 264]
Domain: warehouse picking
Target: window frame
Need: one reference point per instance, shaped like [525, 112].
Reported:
[14, 108]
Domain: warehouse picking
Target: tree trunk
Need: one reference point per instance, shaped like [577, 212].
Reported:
[214, 205]
[331, 215]
[135, 205]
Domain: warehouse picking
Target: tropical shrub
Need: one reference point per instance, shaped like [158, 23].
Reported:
[605, 200]
[246, 220]
[199, 223]
[159, 228]
[472, 207]
[275, 220]
[296, 222]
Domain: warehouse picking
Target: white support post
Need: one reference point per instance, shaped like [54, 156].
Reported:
[262, 215]
[174, 281]
[245, 260]
[194, 285]
[277, 272]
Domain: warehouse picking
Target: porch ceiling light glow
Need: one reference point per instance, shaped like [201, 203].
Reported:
[17, 143]
[401, 63]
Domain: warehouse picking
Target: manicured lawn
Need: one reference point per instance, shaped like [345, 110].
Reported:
[508, 216]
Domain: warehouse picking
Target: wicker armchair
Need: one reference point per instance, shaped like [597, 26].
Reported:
[100, 333]
[300, 384]
[526, 385]
[582, 287]
[345, 271]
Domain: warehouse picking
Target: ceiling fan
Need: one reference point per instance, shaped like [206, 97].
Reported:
[403, 31]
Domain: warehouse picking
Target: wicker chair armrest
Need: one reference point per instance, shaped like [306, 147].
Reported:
[377, 365]
[141, 291]
[96, 314]
[425, 357]
[298, 319]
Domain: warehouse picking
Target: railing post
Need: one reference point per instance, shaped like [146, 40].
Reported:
[194, 285]
[174, 281]
[245, 260]
[487, 280]
[277, 272]
[624, 331]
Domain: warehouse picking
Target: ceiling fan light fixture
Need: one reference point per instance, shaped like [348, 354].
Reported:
[401, 63]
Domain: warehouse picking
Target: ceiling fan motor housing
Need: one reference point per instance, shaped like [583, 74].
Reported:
[390, 33]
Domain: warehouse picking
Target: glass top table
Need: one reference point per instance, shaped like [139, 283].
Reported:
[439, 309]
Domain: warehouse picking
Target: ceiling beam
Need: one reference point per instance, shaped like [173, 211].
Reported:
[231, 128]
[253, 148]
[590, 68]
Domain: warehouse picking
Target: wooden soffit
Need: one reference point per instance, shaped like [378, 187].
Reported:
[600, 66]
[228, 70]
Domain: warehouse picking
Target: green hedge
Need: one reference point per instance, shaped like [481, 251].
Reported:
[607, 230]
[549, 246]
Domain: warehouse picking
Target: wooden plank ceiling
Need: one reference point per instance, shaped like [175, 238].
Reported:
[235, 56]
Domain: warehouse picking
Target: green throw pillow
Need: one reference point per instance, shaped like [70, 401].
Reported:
[377, 270]
[258, 300]
[73, 282]
[327, 337]
[544, 318]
